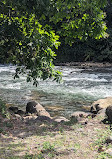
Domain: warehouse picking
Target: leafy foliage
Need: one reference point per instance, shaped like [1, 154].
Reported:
[27, 38]
[79, 19]
[90, 50]
[26, 43]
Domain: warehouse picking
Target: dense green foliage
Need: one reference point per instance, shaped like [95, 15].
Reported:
[30, 30]
[99, 50]
[27, 44]
[79, 19]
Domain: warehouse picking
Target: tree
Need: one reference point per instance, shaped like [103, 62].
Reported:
[27, 38]
[27, 44]
[80, 19]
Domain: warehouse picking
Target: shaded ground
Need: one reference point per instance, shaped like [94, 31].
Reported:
[43, 140]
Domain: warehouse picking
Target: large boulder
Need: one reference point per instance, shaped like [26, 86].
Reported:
[109, 113]
[36, 108]
[101, 113]
[101, 104]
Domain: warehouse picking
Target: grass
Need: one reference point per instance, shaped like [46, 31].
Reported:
[54, 140]
[100, 143]
[3, 110]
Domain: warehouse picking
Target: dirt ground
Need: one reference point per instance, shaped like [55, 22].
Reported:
[32, 139]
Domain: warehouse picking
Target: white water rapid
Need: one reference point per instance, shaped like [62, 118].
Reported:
[79, 86]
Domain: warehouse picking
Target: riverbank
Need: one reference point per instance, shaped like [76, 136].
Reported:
[86, 64]
[45, 140]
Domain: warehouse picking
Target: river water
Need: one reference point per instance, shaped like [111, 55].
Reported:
[79, 87]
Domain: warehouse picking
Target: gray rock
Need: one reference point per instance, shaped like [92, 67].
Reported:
[18, 117]
[101, 113]
[109, 140]
[83, 122]
[13, 109]
[80, 114]
[20, 112]
[43, 118]
[29, 117]
[109, 113]
[36, 108]
[60, 119]
[101, 104]
[30, 108]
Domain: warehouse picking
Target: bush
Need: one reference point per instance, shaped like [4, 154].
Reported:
[3, 109]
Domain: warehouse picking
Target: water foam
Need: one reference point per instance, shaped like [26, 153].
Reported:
[76, 86]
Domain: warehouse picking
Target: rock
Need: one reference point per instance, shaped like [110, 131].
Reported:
[17, 116]
[30, 108]
[83, 122]
[101, 149]
[100, 104]
[20, 112]
[109, 113]
[13, 109]
[43, 118]
[109, 140]
[60, 119]
[101, 113]
[81, 117]
[87, 108]
[109, 151]
[33, 107]
[26, 118]
[81, 114]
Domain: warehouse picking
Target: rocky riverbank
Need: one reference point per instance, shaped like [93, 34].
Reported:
[86, 64]
[35, 136]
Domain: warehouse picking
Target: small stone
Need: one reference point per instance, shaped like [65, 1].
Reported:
[83, 122]
[101, 149]
[43, 118]
[60, 119]
[80, 130]
[30, 117]
[17, 116]
[79, 116]
[20, 112]
[109, 140]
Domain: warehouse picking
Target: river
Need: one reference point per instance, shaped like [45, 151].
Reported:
[79, 87]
